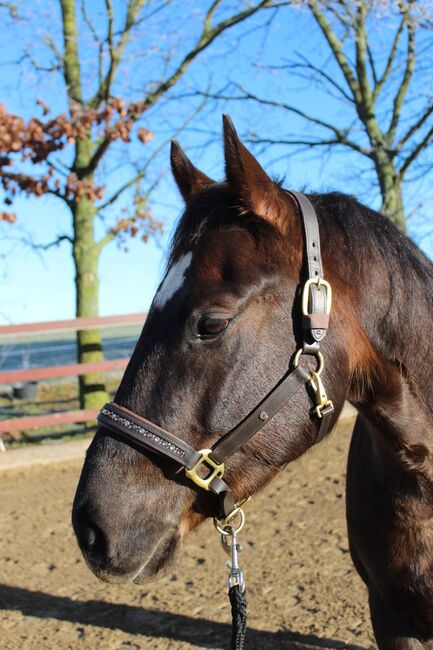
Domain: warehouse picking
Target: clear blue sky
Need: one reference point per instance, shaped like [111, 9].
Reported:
[39, 286]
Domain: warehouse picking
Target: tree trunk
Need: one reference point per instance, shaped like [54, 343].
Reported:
[390, 189]
[392, 206]
[89, 342]
[86, 259]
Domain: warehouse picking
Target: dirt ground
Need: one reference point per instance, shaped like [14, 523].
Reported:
[302, 589]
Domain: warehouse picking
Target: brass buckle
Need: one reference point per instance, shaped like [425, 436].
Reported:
[217, 470]
[322, 401]
[320, 282]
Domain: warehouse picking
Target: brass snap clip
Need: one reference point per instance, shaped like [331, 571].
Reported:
[230, 545]
[322, 401]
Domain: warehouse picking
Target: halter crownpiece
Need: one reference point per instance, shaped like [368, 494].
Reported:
[206, 467]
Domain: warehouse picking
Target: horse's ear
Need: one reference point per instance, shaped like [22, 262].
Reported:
[189, 179]
[252, 186]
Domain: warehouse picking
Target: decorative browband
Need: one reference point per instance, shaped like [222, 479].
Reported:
[164, 444]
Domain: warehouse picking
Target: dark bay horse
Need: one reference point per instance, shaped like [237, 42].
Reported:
[221, 332]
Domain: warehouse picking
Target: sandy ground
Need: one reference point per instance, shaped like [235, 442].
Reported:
[302, 589]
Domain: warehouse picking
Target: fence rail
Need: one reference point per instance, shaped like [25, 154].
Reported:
[28, 422]
[96, 322]
[71, 370]
[51, 419]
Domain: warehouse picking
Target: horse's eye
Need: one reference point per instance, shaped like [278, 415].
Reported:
[210, 326]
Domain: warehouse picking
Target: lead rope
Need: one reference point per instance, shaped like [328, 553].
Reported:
[236, 582]
[238, 602]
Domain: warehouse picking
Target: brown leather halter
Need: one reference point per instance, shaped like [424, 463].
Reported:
[206, 466]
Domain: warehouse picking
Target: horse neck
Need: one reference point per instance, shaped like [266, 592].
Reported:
[392, 379]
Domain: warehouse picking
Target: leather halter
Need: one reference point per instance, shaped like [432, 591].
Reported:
[206, 467]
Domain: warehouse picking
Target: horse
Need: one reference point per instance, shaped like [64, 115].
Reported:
[221, 332]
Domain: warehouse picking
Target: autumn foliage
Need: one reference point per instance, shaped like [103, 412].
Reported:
[26, 145]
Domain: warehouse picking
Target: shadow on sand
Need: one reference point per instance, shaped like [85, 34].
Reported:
[152, 623]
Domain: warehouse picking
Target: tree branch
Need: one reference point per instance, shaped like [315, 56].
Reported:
[321, 73]
[341, 135]
[22, 180]
[389, 64]
[361, 56]
[141, 174]
[116, 51]
[56, 242]
[11, 8]
[337, 49]
[112, 233]
[415, 152]
[410, 65]
[297, 141]
[207, 37]
[37, 66]
[71, 61]
[414, 128]
[89, 22]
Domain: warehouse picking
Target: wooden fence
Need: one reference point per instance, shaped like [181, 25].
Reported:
[8, 332]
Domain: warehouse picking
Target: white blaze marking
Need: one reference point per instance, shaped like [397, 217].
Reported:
[172, 281]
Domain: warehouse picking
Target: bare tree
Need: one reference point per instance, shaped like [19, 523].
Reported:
[97, 120]
[388, 102]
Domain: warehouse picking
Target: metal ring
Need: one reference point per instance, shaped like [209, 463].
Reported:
[318, 355]
[230, 530]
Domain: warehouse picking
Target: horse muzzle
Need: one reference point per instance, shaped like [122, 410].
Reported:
[131, 555]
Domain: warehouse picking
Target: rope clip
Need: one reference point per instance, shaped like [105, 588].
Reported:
[229, 542]
[236, 576]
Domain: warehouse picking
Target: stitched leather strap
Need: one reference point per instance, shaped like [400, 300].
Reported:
[265, 410]
[317, 303]
[312, 238]
[325, 423]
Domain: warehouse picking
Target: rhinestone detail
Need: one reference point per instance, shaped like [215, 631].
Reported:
[143, 432]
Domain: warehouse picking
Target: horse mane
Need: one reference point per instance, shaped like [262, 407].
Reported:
[365, 228]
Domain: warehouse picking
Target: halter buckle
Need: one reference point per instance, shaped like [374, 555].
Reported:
[319, 282]
[205, 461]
[322, 401]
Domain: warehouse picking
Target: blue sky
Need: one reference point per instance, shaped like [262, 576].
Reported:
[38, 286]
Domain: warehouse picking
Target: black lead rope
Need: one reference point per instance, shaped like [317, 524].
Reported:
[238, 602]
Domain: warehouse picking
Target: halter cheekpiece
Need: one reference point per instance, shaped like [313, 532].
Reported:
[206, 466]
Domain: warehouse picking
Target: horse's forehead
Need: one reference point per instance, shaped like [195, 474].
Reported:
[226, 255]
[173, 280]
[223, 257]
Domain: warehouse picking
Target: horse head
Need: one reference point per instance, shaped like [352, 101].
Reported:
[221, 332]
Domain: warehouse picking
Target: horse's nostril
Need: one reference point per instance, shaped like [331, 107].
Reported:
[95, 545]
[91, 539]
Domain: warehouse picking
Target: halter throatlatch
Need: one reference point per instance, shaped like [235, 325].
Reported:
[206, 467]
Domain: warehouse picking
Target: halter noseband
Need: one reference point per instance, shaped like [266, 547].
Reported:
[206, 466]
